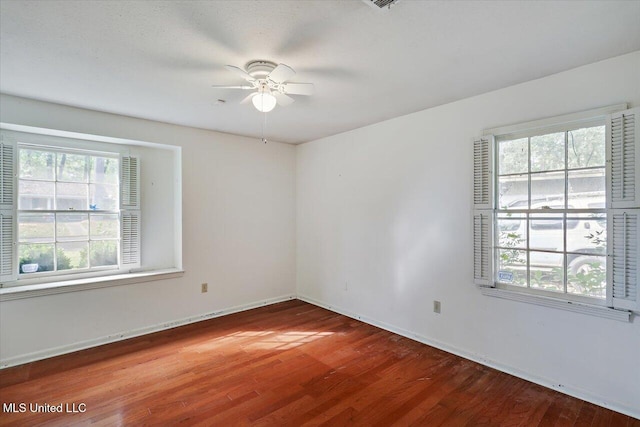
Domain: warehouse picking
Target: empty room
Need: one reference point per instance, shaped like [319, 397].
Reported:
[319, 212]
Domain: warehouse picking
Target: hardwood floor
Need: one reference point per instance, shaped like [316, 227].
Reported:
[286, 364]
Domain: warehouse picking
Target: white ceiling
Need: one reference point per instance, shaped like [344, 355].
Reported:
[158, 59]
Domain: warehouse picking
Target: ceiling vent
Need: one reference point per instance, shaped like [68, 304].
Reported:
[381, 4]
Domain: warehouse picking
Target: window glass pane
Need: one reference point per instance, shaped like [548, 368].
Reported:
[586, 147]
[513, 192]
[588, 235]
[71, 196]
[546, 232]
[71, 167]
[547, 152]
[546, 271]
[587, 275]
[35, 257]
[104, 252]
[103, 170]
[36, 228]
[37, 164]
[547, 190]
[587, 189]
[512, 267]
[513, 156]
[543, 248]
[72, 255]
[35, 195]
[72, 227]
[512, 231]
[103, 226]
[67, 182]
[104, 197]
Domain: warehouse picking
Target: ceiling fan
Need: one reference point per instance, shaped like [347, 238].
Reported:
[270, 84]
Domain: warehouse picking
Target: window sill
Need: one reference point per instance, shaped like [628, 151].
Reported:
[53, 288]
[576, 307]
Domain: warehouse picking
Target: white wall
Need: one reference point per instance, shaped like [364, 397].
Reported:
[383, 229]
[238, 232]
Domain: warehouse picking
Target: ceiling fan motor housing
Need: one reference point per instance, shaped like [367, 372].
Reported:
[260, 69]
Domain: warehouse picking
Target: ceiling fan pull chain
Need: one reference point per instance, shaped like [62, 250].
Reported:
[264, 123]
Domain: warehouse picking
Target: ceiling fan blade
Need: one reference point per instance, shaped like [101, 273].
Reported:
[232, 87]
[248, 98]
[239, 71]
[298, 88]
[282, 99]
[281, 73]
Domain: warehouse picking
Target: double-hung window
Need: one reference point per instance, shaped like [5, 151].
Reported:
[557, 209]
[66, 209]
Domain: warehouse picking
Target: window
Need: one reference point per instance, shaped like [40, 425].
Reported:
[66, 210]
[556, 209]
[549, 235]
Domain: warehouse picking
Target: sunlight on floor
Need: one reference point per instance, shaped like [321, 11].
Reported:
[261, 340]
[284, 340]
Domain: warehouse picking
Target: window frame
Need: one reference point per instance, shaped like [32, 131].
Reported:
[67, 143]
[623, 298]
[565, 212]
[21, 276]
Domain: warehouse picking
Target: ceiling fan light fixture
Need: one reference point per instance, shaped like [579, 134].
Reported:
[270, 82]
[264, 101]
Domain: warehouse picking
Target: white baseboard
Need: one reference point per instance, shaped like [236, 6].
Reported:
[82, 345]
[545, 382]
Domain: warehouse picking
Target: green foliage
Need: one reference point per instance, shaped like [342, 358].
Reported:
[37, 164]
[585, 147]
[547, 152]
[63, 262]
[49, 165]
[43, 256]
[513, 156]
[590, 278]
[548, 278]
[103, 253]
[512, 255]
[589, 274]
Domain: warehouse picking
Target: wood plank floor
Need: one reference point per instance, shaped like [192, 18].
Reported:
[286, 364]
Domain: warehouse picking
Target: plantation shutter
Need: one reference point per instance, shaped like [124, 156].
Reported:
[482, 210]
[130, 212]
[625, 231]
[624, 156]
[623, 150]
[482, 173]
[482, 248]
[8, 267]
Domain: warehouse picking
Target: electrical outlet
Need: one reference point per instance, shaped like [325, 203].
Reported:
[436, 306]
[205, 288]
[346, 286]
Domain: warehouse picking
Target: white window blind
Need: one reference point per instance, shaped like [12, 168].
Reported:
[8, 268]
[130, 212]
